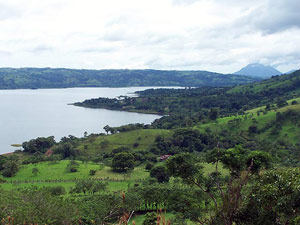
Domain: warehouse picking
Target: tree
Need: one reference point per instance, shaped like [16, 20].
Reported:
[3, 160]
[92, 172]
[10, 168]
[281, 103]
[40, 144]
[253, 129]
[106, 128]
[149, 166]
[226, 195]
[35, 171]
[275, 196]
[294, 102]
[123, 162]
[160, 173]
[213, 114]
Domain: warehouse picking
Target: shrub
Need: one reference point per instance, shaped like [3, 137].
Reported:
[149, 166]
[72, 167]
[92, 172]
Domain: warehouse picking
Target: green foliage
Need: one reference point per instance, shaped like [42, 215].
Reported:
[213, 114]
[36, 207]
[35, 171]
[89, 187]
[10, 168]
[3, 160]
[40, 144]
[149, 166]
[160, 173]
[92, 172]
[183, 166]
[123, 162]
[281, 103]
[294, 102]
[55, 190]
[275, 196]
[150, 219]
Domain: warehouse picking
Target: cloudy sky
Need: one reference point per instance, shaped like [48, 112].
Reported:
[214, 35]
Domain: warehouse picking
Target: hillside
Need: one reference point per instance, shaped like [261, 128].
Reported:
[273, 124]
[188, 106]
[258, 70]
[287, 84]
[11, 78]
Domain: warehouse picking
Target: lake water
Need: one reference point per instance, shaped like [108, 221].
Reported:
[28, 114]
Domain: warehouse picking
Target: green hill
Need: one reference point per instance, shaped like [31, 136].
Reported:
[277, 124]
[137, 140]
[284, 84]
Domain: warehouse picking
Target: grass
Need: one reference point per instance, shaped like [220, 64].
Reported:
[56, 175]
[57, 171]
[209, 168]
[142, 138]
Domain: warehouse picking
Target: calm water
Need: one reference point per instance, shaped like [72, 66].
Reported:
[27, 114]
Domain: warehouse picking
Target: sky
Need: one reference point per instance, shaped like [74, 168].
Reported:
[214, 35]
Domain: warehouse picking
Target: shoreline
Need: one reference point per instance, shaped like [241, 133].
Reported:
[121, 110]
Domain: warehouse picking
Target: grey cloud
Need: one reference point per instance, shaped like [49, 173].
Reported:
[97, 50]
[41, 49]
[274, 16]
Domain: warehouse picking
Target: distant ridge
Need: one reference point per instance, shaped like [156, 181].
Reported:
[258, 70]
[33, 78]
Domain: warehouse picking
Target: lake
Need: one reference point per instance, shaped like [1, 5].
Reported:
[28, 114]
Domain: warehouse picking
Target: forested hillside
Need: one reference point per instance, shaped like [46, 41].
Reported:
[188, 106]
[11, 78]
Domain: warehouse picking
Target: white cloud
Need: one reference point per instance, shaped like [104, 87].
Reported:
[214, 35]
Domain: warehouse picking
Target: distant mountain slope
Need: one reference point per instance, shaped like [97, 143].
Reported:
[11, 78]
[287, 84]
[291, 71]
[258, 70]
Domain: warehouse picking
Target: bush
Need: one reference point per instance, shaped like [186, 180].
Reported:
[160, 173]
[122, 162]
[135, 145]
[92, 172]
[149, 166]
[72, 167]
[56, 190]
[10, 169]
[150, 219]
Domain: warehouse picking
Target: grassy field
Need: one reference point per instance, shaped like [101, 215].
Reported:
[136, 139]
[56, 175]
